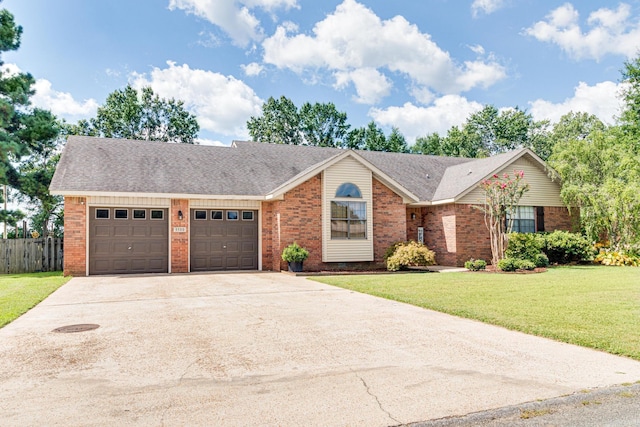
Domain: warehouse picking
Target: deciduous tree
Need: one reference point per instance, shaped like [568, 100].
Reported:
[143, 115]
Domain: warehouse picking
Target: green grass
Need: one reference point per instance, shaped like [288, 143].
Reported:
[591, 306]
[21, 292]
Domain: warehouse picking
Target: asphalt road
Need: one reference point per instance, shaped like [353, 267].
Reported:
[607, 407]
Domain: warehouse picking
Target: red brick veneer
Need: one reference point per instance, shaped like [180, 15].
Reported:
[179, 241]
[75, 236]
[298, 217]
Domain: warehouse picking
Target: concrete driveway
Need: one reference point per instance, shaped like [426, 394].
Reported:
[269, 349]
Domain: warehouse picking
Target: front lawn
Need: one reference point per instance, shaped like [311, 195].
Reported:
[20, 292]
[592, 306]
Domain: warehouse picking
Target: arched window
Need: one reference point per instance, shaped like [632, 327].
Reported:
[348, 190]
[348, 219]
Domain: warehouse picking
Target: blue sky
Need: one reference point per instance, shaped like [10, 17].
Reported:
[420, 65]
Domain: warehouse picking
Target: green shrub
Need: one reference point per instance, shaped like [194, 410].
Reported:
[563, 247]
[541, 260]
[475, 264]
[408, 254]
[513, 264]
[508, 264]
[525, 264]
[294, 253]
[524, 246]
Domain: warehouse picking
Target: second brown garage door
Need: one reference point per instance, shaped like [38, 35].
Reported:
[224, 239]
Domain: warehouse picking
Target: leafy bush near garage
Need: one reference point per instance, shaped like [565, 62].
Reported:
[405, 254]
[475, 264]
[563, 247]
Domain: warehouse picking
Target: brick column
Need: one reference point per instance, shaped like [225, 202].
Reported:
[75, 236]
[179, 257]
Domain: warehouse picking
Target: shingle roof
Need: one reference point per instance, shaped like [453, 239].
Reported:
[247, 169]
[125, 166]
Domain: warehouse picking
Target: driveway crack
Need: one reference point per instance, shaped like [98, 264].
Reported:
[178, 383]
[368, 389]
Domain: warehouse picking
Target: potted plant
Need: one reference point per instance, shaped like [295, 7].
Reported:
[295, 255]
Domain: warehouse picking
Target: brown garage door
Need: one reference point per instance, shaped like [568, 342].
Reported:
[224, 239]
[128, 240]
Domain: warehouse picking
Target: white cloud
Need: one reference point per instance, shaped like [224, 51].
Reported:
[354, 38]
[252, 69]
[612, 32]
[371, 85]
[485, 6]
[601, 100]
[234, 17]
[59, 103]
[221, 103]
[414, 121]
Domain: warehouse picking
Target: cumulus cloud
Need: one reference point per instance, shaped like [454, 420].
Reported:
[62, 104]
[414, 121]
[221, 103]
[252, 69]
[371, 85]
[601, 100]
[485, 6]
[611, 32]
[234, 17]
[354, 38]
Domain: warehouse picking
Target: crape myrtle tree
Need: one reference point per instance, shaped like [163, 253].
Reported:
[24, 131]
[502, 193]
[131, 114]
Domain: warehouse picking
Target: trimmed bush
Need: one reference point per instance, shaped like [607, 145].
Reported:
[563, 247]
[524, 246]
[525, 264]
[475, 264]
[407, 254]
[541, 260]
[507, 264]
[513, 264]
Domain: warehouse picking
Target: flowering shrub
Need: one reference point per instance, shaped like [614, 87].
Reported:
[501, 197]
[407, 254]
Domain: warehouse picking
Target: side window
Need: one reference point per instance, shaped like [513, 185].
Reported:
[102, 213]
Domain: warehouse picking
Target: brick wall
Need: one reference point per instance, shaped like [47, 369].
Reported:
[389, 220]
[472, 235]
[298, 217]
[179, 241]
[75, 236]
[439, 224]
[559, 218]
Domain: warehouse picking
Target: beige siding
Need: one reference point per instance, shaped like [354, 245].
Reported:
[340, 250]
[542, 190]
[150, 202]
[226, 204]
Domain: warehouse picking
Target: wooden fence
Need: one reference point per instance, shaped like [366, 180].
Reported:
[30, 255]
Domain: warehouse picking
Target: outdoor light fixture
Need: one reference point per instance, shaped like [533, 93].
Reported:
[413, 215]
[180, 215]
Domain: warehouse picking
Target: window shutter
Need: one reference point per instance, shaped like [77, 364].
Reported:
[540, 218]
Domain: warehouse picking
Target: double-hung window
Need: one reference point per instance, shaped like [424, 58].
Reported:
[524, 219]
[348, 217]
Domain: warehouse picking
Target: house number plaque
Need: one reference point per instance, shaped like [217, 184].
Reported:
[179, 229]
